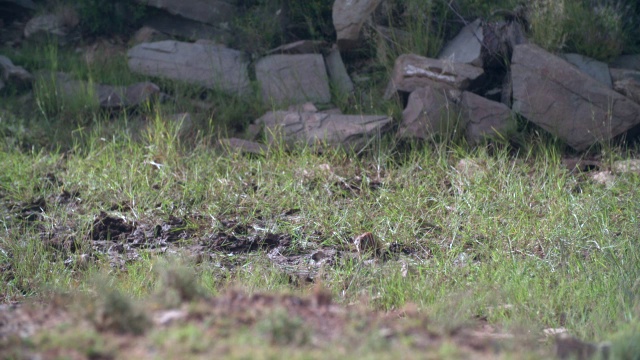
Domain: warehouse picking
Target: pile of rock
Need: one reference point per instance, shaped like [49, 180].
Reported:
[480, 83]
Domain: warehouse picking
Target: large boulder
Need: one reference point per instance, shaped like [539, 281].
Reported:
[205, 64]
[411, 72]
[563, 100]
[319, 129]
[431, 113]
[348, 17]
[486, 118]
[213, 12]
[293, 79]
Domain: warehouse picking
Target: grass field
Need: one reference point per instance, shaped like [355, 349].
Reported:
[130, 234]
[504, 243]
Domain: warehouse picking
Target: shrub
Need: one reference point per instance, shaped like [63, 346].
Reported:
[107, 17]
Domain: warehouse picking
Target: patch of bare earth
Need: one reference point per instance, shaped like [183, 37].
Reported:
[306, 324]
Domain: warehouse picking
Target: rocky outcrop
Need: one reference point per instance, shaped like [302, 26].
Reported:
[411, 72]
[348, 18]
[563, 100]
[321, 129]
[202, 63]
[286, 79]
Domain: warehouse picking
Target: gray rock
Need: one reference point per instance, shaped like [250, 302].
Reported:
[204, 64]
[594, 68]
[484, 44]
[58, 24]
[348, 17]
[338, 72]
[213, 12]
[431, 113]
[286, 79]
[320, 129]
[15, 75]
[486, 118]
[566, 102]
[466, 47]
[411, 72]
[631, 62]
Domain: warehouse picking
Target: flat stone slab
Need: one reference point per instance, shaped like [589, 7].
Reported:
[320, 129]
[563, 100]
[290, 79]
[203, 63]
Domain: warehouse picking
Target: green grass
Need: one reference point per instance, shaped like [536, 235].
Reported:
[517, 242]
[517, 233]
